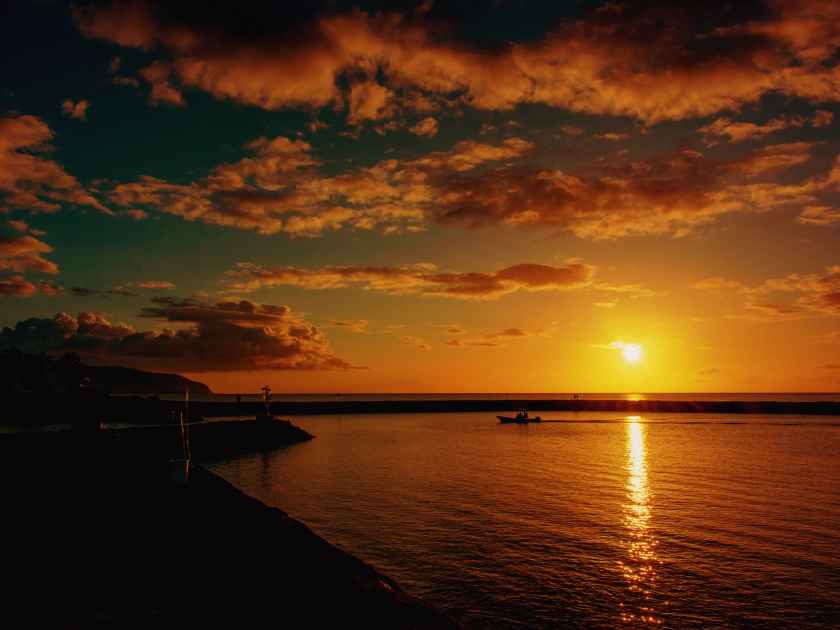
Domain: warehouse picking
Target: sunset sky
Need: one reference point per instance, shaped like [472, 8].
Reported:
[424, 197]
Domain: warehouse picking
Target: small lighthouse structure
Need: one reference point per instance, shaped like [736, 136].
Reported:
[266, 415]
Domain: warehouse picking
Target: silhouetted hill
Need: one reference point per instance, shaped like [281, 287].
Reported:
[24, 372]
[128, 380]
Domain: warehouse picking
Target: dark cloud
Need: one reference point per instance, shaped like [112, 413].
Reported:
[196, 311]
[668, 194]
[226, 336]
[86, 292]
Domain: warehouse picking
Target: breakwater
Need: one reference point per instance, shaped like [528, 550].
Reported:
[33, 410]
[338, 407]
[208, 441]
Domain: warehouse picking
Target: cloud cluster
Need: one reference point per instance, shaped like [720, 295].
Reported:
[475, 184]
[428, 127]
[814, 294]
[29, 181]
[223, 336]
[740, 131]
[668, 194]
[421, 279]
[279, 189]
[819, 215]
[18, 286]
[25, 254]
[650, 60]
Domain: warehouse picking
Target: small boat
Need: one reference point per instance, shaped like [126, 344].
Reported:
[520, 418]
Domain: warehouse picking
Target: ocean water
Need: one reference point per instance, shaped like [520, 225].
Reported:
[683, 521]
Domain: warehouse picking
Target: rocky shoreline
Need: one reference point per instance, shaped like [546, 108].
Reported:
[98, 534]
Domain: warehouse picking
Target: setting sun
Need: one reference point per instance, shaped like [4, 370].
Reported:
[632, 352]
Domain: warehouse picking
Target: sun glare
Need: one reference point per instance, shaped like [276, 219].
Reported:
[632, 352]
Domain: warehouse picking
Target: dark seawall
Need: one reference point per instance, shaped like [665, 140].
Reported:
[32, 410]
[442, 406]
[341, 407]
[208, 441]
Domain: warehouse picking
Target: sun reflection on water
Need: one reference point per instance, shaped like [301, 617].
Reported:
[639, 565]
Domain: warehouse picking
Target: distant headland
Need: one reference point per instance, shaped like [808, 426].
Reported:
[43, 373]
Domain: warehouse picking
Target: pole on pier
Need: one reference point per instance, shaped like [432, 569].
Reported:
[267, 401]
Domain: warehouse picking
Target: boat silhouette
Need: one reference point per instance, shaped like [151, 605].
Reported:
[520, 418]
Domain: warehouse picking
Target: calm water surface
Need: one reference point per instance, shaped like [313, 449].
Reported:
[662, 521]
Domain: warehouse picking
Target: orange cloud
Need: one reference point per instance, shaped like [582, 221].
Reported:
[725, 128]
[19, 225]
[741, 131]
[822, 118]
[819, 215]
[422, 279]
[368, 101]
[469, 154]
[23, 253]
[18, 286]
[653, 61]
[815, 294]
[428, 127]
[475, 184]
[154, 284]
[353, 325]
[670, 194]
[28, 181]
[77, 110]
[775, 157]
[278, 189]
[491, 339]
[613, 137]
